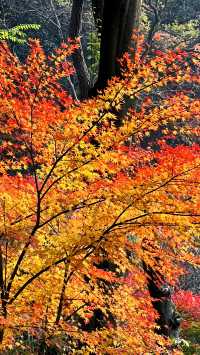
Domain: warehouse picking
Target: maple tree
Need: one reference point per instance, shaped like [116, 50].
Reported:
[77, 188]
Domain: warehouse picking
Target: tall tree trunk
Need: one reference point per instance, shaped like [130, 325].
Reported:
[78, 56]
[120, 17]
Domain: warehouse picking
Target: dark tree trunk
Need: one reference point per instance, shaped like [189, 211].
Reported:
[120, 17]
[169, 320]
[115, 20]
[78, 56]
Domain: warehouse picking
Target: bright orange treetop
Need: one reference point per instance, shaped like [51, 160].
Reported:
[76, 188]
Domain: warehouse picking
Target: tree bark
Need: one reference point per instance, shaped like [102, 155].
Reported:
[168, 319]
[78, 56]
[120, 17]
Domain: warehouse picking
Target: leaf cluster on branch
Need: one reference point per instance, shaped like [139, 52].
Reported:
[18, 34]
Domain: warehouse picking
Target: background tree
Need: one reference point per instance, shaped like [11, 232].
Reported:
[59, 20]
[175, 23]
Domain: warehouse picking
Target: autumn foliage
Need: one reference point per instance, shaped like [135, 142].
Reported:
[188, 303]
[77, 187]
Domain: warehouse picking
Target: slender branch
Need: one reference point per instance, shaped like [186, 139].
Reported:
[62, 295]
[20, 219]
[62, 176]
[26, 247]
[38, 207]
[75, 311]
[144, 224]
[144, 195]
[102, 115]
[132, 202]
[39, 273]
[181, 214]
[67, 151]
[75, 208]
[2, 285]
[108, 230]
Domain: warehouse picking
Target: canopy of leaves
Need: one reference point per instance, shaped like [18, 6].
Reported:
[74, 190]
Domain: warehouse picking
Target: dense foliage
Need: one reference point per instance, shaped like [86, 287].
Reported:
[79, 191]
